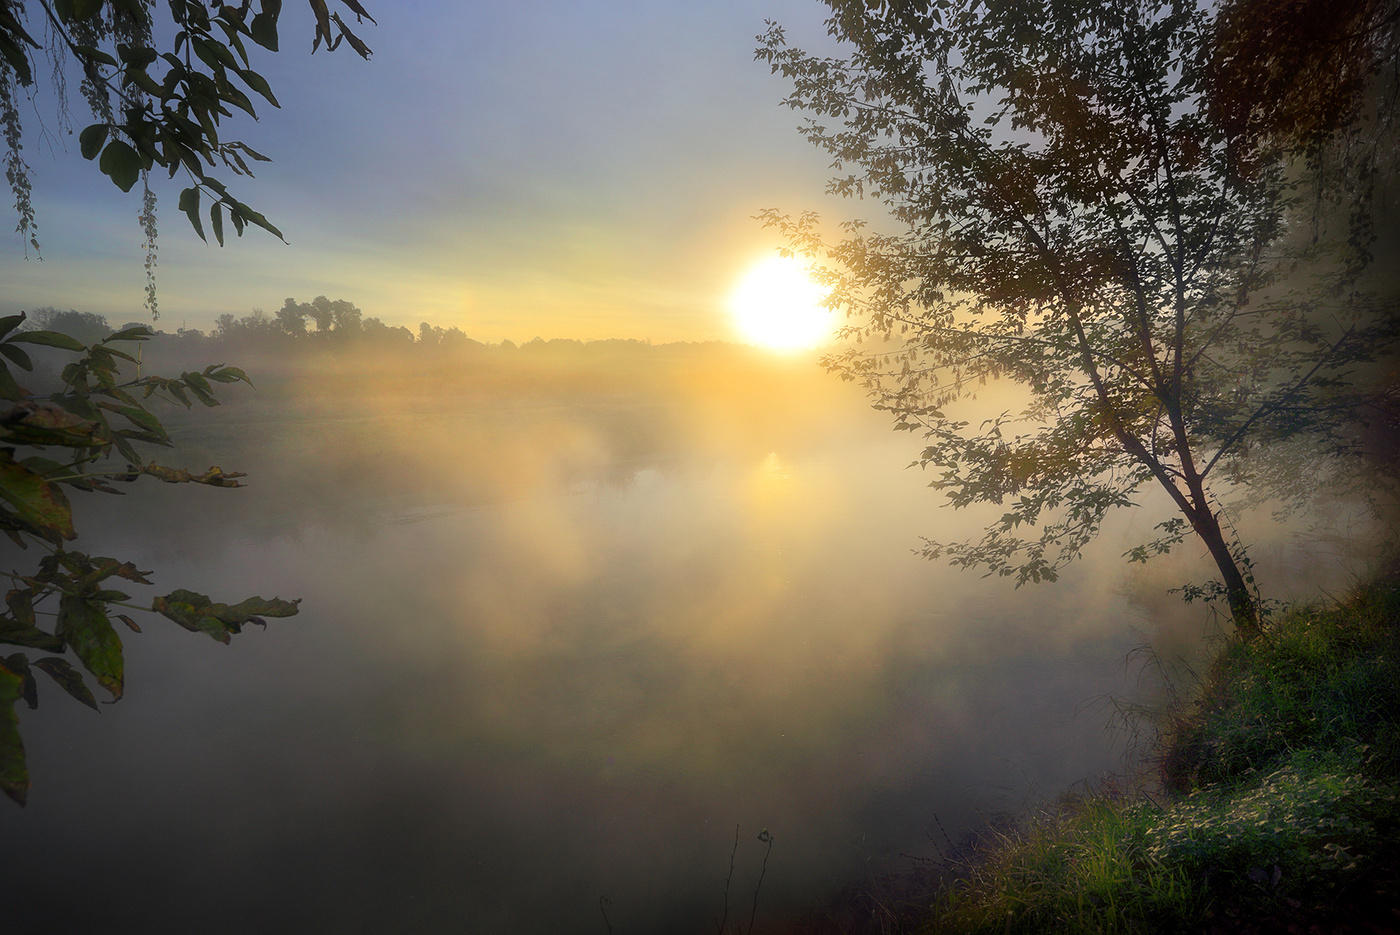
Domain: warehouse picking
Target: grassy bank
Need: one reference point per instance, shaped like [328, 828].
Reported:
[1280, 806]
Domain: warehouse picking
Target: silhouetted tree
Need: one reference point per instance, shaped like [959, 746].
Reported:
[376, 332]
[346, 318]
[84, 327]
[1067, 215]
[322, 313]
[292, 318]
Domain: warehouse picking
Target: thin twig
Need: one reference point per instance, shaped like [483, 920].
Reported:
[766, 838]
[724, 920]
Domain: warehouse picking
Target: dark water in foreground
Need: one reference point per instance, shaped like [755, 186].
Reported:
[517, 689]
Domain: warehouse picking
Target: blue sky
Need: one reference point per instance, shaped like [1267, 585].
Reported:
[566, 169]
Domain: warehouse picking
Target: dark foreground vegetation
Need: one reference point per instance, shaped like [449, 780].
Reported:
[1277, 807]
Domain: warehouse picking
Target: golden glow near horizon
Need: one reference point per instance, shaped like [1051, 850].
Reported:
[778, 306]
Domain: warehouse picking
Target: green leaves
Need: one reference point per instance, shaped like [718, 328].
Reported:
[48, 339]
[13, 40]
[67, 678]
[259, 84]
[198, 614]
[122, 164]
[181, 100]
[155, 106]
[214, 477]
[96, 415]
[38, 504]
[134, 333]
[83, 625]
[17, 356]
[238, 212]
[263, 30]
[91, 139]
[189, 203]
[16, 633]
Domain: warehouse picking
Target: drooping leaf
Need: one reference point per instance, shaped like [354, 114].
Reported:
[198, 614]
[10, 323]
[359, 11]
[228, 375]
[253, 217]
[20, 358]
[84, 626]
[240, 100]
[349, 36]
[214, 477]
[134, 333]
[49, 339]
[29, 691]
[258, 83]
[35, 500]
[198, 384]
[323, 24]
[121, 163]
[15, 633]
[138, 416]
[264, 31]
[90, 140]
[189, 203]
[14, 774]
[68, 678]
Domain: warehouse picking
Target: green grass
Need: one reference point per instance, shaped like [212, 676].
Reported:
[1281, 809]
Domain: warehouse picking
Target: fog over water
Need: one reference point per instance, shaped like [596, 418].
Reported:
[558, 637]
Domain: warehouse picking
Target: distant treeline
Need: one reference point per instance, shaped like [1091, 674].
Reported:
[328, 350]
[322, 322]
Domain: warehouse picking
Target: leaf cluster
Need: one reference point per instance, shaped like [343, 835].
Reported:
[156, 107]
[85, 437]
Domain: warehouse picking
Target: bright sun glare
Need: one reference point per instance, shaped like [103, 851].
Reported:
[777, 305]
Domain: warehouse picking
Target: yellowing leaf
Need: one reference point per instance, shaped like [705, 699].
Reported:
[196, 613]
[34, 500]
[84, 626]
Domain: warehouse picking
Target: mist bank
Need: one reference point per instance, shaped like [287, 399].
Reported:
[570, 613]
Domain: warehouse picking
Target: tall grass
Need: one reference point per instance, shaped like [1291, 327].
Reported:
[1280, 805]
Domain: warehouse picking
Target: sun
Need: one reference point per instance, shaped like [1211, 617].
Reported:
[778, 306]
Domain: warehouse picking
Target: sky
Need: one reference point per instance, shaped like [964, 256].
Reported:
[561, 169]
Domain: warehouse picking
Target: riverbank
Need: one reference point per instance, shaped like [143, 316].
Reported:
[1277, 807]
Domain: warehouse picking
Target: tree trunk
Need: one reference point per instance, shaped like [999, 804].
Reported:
[1242, 607]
